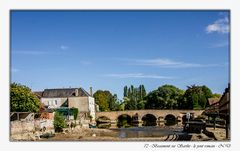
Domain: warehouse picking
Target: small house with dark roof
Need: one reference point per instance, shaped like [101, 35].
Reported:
[213, 107]
[69, 97]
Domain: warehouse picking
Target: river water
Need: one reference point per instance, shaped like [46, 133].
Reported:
[115, 133]
[149, 131]
[143, 131]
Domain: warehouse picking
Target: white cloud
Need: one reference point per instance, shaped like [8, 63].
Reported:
[219, 26]
[167, 63]
[138, 75]
[63, 47]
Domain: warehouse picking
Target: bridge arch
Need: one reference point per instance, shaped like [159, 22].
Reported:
[159, 114]
[170, 117]
[124, 120]
[149, 120]
[170, 120]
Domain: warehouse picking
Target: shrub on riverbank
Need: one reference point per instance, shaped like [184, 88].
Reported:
[59, 122]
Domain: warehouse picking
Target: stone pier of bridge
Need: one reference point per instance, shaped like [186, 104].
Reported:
[137, 115]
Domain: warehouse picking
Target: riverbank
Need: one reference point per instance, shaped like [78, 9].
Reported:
[159, 133]
[86, 134]
[219, 133]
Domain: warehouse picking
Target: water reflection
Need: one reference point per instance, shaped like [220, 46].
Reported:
[149, 131]
[171, 123]
[126, 121]
[136, 130]
[122, 125]
[103, 125]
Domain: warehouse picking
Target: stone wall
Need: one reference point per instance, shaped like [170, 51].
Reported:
[79, 102]
[21, 127]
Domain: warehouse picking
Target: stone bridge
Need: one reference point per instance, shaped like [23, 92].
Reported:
[160, 115]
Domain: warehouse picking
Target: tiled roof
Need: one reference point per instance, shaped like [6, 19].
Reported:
[38, 94]
[213, 100]
[65, 92]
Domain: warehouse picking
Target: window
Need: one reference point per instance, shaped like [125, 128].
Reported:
[55, 102]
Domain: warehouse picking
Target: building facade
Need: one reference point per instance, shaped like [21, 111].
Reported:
[69, 98]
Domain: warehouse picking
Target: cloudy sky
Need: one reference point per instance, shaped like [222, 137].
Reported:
[110, 49]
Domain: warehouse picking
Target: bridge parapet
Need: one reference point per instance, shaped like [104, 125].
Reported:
[113, 115]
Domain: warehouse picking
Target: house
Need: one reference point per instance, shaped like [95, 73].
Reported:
[213, 107]
[224, 103]
[69, 98]
[224, 109]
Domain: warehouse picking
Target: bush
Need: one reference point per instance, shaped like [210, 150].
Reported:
[59, 122]
[74, 111]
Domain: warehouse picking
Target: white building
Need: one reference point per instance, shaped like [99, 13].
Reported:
[69, 97]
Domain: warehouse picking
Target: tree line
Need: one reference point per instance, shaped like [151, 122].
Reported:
[164, 97]
[22, 99]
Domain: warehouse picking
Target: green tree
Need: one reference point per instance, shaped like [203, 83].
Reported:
[106, 101]
[101, 99]
[74, 111]
[165, 97]
[59, 122]
[121, 106]
[207, 92]
[22, 99]
[113, 102]
[135, 97]
[196, 96]
[216, 95]
[141, 94]
[153, 101]
[141, 105]
[125, 91]
[130, 105]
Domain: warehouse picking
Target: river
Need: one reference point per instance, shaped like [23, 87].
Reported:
[149, 131]
[143, 131]
[158, 133]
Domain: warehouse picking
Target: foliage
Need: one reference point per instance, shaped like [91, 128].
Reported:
[216, 95]
[134, 97]
[113, 102]
[106, 101]
[74, 112]
[101, 99]
[22, 99]
[124, 121]
[59, 122]
[196, 97]
[165, 97]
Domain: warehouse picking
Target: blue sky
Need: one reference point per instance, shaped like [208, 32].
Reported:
[110, 49]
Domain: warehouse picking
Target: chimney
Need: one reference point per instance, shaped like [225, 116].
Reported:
[91, 91]
[76, 92]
